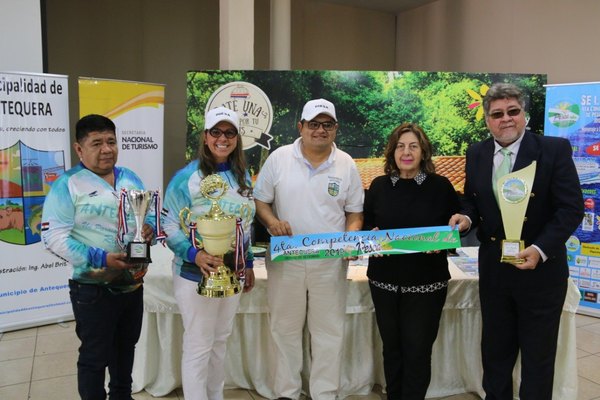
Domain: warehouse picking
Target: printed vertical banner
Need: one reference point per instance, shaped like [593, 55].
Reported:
[137, 109]
[34, 152]
[573, 112]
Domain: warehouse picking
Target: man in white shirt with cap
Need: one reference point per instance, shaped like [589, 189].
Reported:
[308, 187]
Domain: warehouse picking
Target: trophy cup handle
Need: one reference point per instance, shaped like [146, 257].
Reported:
[185, 215]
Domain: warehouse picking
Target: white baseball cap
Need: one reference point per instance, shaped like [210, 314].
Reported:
[312, 108]
[216, 115]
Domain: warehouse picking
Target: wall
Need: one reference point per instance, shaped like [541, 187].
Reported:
[262, 17]
[556, 37]
[141, 40]
[21, 36]
[159, 41]
[331, 36]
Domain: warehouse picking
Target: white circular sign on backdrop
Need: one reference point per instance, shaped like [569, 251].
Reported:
[253, 107]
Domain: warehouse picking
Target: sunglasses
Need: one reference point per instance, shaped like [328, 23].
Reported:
[217, 133]
[513, 112]
[314, 125]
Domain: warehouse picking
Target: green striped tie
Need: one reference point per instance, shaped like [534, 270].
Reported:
[503, 169]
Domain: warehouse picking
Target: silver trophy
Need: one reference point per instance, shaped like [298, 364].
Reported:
[138, 250]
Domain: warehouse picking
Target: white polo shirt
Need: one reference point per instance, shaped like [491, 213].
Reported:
[311, 200]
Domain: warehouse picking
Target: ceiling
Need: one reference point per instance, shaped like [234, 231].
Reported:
[391, 6]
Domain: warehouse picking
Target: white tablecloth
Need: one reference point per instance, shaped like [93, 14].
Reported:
[456, 363]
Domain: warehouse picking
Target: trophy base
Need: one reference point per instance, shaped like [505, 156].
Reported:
[220, 284]
[138, 252]
[510, 249]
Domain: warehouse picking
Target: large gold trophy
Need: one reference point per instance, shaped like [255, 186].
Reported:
[217, 231]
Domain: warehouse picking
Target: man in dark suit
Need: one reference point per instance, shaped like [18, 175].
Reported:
[521, 302]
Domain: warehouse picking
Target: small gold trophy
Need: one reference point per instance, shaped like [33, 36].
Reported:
[217, 230]
[514, 190]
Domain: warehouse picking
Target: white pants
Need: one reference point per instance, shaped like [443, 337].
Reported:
[313, 292]
[207, 324]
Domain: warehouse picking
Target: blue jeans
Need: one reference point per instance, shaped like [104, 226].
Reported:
[108, 325]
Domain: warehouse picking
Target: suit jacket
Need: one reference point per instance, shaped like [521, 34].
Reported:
[554, 211]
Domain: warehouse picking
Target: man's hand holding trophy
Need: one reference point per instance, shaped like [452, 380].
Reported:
[137, 251]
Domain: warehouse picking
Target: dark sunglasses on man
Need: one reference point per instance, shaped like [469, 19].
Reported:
[513, 112]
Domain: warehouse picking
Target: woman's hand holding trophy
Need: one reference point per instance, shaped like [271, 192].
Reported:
[217, 231]
[207, 262]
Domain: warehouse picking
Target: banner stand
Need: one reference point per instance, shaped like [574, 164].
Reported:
[573, 112]
[34, 152]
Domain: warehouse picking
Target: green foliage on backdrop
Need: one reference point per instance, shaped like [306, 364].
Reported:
[369, 104]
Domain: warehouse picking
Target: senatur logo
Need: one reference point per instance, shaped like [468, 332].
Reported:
[563, 114]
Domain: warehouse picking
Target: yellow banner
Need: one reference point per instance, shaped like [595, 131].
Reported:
[137, 109]
[113, 98]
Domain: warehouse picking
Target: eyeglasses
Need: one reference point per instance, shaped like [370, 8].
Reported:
[327, 125]
[513, 112]
[217, 133]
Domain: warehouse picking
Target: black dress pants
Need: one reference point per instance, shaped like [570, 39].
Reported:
[525, 320]
[408, 324]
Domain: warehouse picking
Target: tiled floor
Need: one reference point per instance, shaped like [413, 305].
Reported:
[39, 364]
